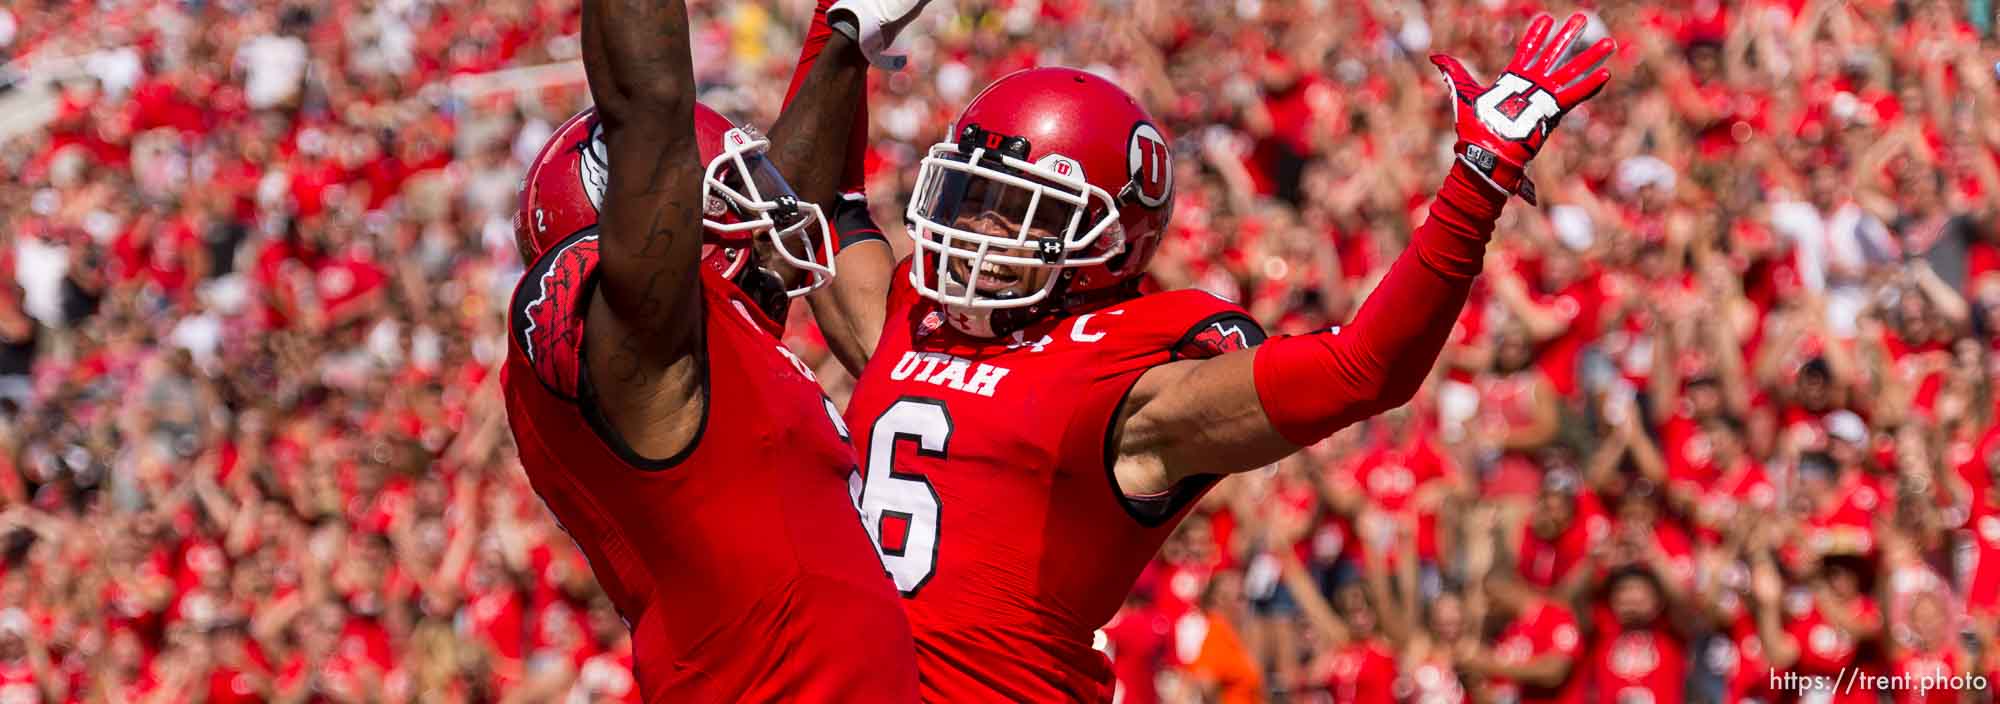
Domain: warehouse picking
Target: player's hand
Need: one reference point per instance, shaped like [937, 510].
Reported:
[1501, 127]
[874, 24]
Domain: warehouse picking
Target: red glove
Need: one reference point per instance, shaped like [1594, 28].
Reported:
[1501, 127]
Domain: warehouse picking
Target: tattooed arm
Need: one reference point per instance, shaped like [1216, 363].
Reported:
[818, 142]
[644, 323]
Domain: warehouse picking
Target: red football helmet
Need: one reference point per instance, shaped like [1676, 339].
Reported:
[743, 197]
[1072, 164]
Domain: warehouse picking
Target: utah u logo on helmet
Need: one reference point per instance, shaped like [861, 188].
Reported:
[1151, 163]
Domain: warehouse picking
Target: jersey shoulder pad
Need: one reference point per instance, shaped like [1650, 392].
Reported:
[1193, 324]
[545, 317]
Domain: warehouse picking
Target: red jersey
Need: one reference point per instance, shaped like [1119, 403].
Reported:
[494, 614]
[1689, 454]
[1432, 680]
[990, 491]
[1581, 306]
[1641, 665]
[606, 676]
[1546, 563]
[1935, 667]
[1968, 458]
[1507, 403]
[17, 682]
[1294, 502]
[1138, 640]
[1181, 585]
[1826, 650]
[1982, 583]
[1391, 475]
[1738, 656]
[1846, 523]
[1362, 673]
[738, 562]
[1909, 359]
[1543, 628]
[1743, 488]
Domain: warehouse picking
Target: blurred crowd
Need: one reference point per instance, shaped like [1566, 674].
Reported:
[1721, 411]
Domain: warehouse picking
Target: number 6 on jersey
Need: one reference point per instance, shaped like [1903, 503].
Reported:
[901, 509]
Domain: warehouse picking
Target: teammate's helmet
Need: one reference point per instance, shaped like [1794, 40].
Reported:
[743, 197]
[1073, 165]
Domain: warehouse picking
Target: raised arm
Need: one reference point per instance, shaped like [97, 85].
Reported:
[818, 142]
[1326, 624]
[645, 320]
[1245, 409]
[1949, 304]
[1663, 385]
[641, 76]
[1544, 322]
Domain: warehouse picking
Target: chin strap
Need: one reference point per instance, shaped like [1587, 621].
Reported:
[767, 290]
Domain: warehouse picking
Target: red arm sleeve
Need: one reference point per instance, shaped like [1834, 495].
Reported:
[1313, 385]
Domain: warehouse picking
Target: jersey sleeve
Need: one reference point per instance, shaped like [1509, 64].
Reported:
[1137, 336]
[1563, 637]
[545, 330]
[1219, 334]
[546, 314]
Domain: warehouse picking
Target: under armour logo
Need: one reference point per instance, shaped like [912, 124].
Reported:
[1051, 250]
[1479, 157]
[1021, 340]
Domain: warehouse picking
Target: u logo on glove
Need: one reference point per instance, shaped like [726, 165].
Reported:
[1536, 106]
[1502, 126]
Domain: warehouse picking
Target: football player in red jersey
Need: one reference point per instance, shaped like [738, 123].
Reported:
[694, 459]
[1032, 427]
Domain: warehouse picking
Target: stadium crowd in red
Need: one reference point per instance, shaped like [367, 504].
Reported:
[1721, 410]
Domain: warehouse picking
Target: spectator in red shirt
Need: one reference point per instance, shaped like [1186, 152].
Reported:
[1403, 474]
[1295, 104]
[1641, 534]
[239, 674]
[1640, 651]
[1139, 639]
[1741, 489]
[1537, 657]
[1820, 627]
[1690, 454]
[1429, 671]
[26, 672]
[1568, 522]
[1358, 661]
[1518, 417]
[1846, 500]
[1560, 313]
[1982, 530]
[1925, 648]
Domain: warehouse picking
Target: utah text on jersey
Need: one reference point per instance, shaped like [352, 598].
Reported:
[952, 372]
[961, 374]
